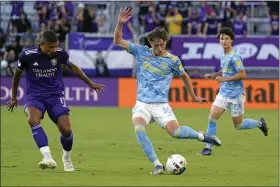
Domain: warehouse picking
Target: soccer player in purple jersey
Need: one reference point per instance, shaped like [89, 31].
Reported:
[45, 92]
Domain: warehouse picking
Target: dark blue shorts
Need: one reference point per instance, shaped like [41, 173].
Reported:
[55, 106]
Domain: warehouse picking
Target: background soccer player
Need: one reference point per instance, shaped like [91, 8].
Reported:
[155, 68]
[45, 92]
[231, 94]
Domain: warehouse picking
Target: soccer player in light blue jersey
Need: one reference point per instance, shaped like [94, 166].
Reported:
[231, 95]
[155, 69]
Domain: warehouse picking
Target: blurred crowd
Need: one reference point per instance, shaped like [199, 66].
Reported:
[190, 18]
[201, 18]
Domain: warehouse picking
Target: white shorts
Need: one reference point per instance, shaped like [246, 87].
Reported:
[236, 106]
[156, 112]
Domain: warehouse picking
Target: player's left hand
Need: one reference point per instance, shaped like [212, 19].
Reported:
[12, 104]
[200, 100]
[220, 79]
[97, 87]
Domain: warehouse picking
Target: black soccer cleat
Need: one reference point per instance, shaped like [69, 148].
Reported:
[263, 128]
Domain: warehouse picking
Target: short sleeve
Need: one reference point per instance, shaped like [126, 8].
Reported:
[178, 68]
[65, 58]
[237, 63]
[22, 61]
[133, 49]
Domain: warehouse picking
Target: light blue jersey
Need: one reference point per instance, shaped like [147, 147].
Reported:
[231, 63]
[154, 73]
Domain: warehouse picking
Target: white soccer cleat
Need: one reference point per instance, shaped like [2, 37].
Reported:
[68, 166]
[47, 163]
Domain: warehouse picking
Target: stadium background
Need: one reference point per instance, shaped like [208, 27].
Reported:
[85, 30]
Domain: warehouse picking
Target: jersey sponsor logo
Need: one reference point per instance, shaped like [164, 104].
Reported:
[153, 69]
[45, 72]
[227, 70]
[35, 64]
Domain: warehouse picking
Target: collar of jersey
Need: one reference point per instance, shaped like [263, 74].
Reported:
[231, 52]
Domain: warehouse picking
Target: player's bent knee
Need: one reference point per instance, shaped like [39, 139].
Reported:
[139, 120]
[176, 133]
[33, 121]
[171, 127]
[66, 131]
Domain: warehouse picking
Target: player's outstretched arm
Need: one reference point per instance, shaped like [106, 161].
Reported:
[79, 73]
[238, 76]
[188, 85]
[124, 16]
[13, 102]
[213, 75]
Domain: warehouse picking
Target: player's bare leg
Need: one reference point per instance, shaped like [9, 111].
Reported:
[215, 114]
[146, 145]
[245, 124]
[185, 132]
[63, 124]
[40, 137]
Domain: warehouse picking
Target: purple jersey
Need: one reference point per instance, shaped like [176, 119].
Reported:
[195, 22]
[17, 8]
[150, 24]
[126, 32]
[239, 27]
[212, 26]
[43, 73]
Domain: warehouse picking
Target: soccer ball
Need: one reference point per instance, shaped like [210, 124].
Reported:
[176, 164]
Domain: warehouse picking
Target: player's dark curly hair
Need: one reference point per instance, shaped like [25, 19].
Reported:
[49, 36]
[157, 34]
[227, 31]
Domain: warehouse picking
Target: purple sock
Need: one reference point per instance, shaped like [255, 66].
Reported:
[39, 136]
[67, 142]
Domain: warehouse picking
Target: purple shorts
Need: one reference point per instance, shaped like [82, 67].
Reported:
[55, 106]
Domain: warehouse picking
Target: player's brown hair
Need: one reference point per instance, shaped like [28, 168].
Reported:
[157, 34]
[227, 31]
[49, 36]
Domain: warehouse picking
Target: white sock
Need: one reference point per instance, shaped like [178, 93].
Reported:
[157, 163]
[200, 136]
[66, 154]
[209, 146]
[46, 152]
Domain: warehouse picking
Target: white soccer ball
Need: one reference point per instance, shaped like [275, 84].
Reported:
[176, 164]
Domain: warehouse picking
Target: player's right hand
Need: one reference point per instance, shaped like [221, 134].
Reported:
[209, 76]
[12, 104]
[97, 87]
[125, 14]
[200, 100]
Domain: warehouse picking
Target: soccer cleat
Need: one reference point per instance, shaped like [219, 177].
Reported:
[47, 163]
[263, 128]
[206, 152]
[212, 140]
[68, 166]
[159, 170]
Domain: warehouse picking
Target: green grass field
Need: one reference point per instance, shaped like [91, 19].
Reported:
[106, 152]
